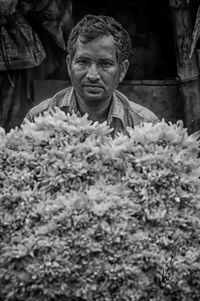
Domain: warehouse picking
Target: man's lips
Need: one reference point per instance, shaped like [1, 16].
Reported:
[92, 86]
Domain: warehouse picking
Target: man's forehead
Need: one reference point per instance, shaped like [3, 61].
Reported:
[103, 43]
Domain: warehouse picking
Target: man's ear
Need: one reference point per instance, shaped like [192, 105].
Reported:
[68, 61]
[123, 69]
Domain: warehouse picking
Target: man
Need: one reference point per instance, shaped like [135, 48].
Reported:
[98, 49]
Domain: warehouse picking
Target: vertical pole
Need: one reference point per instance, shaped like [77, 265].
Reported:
[187, 68]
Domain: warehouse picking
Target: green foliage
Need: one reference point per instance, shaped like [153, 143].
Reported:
[86, 217]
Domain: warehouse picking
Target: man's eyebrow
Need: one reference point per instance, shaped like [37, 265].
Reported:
[107, 59]
[82, 57]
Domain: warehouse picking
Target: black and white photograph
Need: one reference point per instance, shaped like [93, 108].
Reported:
[99, 150]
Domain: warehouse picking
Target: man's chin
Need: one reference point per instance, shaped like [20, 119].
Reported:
[94, 96]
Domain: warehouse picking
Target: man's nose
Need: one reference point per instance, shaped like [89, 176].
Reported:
[93, 72]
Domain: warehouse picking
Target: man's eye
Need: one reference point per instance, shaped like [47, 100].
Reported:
[106, 64]
[82, 62]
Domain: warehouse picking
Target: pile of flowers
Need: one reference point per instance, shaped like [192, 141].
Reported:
[85, 217]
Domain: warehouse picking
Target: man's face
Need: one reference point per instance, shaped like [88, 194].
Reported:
[94, 70]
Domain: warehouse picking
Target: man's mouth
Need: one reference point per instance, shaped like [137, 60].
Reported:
[92, 86]
[94, 89]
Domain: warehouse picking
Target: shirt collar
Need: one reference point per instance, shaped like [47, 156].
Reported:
[116, 108]
[69, 99]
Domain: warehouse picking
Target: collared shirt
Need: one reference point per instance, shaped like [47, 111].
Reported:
[122, 113]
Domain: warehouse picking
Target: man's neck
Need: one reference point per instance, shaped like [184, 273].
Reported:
[97, 111]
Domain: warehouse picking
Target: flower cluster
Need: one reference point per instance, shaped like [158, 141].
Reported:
[85, 217]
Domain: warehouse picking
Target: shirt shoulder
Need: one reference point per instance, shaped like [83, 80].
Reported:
[135, 113]
[47, 104]
[145, 114]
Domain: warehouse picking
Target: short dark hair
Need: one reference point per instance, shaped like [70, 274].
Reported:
[91, 27]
